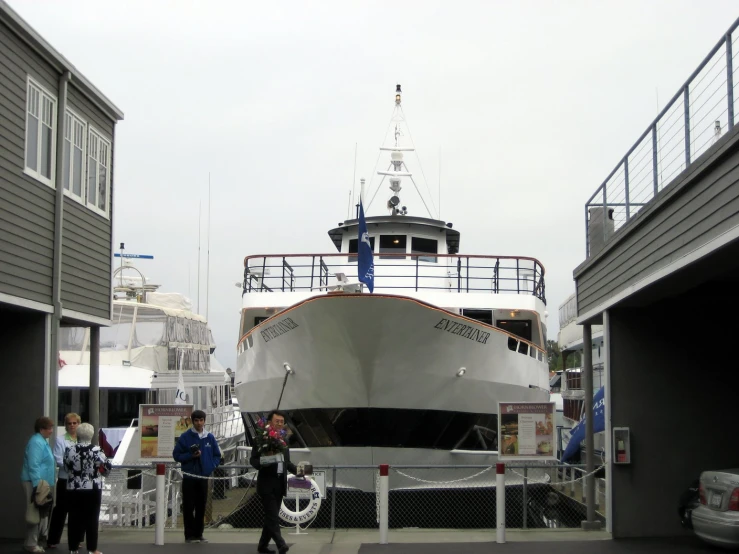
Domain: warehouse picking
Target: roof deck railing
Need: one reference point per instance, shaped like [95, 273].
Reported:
[688, 126]
[396, 271]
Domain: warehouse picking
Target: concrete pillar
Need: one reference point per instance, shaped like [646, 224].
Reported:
[95, 381]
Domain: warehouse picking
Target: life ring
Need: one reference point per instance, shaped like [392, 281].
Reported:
[307, 513]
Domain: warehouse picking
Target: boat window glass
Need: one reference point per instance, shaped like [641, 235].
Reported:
[123, 406]
[392, 244]
[443, 430]
[556, 382]
[483, 316]
[354, 248]
[421, 245]
[72, 338]
[519, 327]
[64, 406]
[116, 336]
[150, 329]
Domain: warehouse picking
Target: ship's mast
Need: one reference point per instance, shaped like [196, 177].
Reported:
[397, 165]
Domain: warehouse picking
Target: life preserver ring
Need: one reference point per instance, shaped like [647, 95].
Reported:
[306, 514]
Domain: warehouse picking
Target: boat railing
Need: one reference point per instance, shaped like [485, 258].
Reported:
[574, 380]
[403, 271]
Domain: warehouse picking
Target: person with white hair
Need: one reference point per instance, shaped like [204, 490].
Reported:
[86, 465]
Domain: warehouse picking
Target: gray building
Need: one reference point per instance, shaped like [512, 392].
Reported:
[57, 137]
[661, 278]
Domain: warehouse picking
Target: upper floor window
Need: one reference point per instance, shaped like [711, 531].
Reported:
[354, 248]
[392, 244]
[40, 132]
[421, 245]
[74, 155]
[98, 172]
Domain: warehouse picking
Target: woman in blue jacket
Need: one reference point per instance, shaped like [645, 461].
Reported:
[38, 465]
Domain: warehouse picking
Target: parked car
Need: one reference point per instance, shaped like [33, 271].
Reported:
[716, 519]
[689, 501]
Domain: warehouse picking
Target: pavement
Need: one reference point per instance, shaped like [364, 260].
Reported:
[401, 541]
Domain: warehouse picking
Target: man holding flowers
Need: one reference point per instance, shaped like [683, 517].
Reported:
[271, 456]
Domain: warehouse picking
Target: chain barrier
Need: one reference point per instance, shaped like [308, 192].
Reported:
[537, 496]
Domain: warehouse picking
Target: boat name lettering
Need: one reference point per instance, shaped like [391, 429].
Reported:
[280, 328]
[464, 331]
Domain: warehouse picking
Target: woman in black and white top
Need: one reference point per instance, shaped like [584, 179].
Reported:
[86, 465]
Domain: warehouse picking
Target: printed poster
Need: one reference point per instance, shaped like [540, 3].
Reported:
[526, 431]
[160, 426]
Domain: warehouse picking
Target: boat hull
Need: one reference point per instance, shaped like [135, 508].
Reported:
[383, 351]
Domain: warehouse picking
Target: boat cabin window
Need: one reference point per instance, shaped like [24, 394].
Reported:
[443, 430]
[421, 245]
[483, 316]
[354, 248]
[519, 327]
[392, 244]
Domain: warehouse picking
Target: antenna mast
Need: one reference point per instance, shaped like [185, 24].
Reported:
[200, 207]
[207, 270]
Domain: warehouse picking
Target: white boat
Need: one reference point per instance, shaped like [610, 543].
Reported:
[410, 374]
[569, 380]
[152, 334]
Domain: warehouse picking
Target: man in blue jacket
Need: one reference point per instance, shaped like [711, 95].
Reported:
[197, 450]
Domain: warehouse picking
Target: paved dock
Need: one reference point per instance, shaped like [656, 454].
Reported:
[406, 541]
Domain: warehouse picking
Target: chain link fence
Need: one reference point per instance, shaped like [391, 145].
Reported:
[433, 497]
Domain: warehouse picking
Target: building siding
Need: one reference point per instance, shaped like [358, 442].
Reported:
[86, 238]
[699, 206]
[26, 205]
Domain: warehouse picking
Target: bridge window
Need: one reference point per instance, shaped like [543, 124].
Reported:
[424, 246]
[519, 327]
[354, 248]
[392, 244]
[483, 316]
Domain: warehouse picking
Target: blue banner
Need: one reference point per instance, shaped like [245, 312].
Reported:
[140, 256]
[365, 260]
[577, 433]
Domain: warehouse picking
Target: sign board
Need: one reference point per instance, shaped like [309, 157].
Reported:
[526, 431]
[160, 425]
[136, 256]
[303, 492]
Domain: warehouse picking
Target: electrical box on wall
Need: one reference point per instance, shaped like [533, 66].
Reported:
[621, 445]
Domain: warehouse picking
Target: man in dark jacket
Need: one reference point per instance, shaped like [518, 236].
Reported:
[272, 487]
[197, 450]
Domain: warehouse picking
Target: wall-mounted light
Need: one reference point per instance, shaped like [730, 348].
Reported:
[396, 241]
[462, 371]
[288, 369]
[514, 313]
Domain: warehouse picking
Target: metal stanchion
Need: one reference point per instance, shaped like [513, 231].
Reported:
[384, 493]
[500, 502]
[161, 502]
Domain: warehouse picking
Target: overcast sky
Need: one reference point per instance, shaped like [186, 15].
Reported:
[532, 103]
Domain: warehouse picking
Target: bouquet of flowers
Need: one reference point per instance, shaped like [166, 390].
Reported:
[269, 441]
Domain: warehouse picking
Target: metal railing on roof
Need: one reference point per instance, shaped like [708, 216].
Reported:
[689, 125]
[398, 272]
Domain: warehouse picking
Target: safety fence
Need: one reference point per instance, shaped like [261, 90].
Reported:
[538, 495]
[689, 125]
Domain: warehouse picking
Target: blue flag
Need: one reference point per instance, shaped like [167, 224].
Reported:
[365, 261]
[577, 433]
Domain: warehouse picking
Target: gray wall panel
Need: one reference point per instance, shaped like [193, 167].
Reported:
[86, 261]
[18, 54]
[22, 349]
[90, 113]
[672, 394]
[698, 207]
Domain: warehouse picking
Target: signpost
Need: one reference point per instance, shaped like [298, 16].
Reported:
[526, 431]
[160, 425]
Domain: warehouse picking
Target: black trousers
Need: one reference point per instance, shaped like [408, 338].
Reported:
[84, 512]
[271, 530]
[59, 515]
[194, 496]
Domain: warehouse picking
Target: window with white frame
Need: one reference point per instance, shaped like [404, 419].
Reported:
[40, 132]
[98, 172]
[74, 155]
